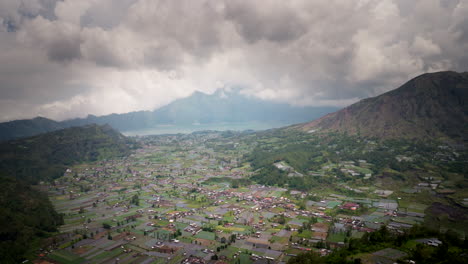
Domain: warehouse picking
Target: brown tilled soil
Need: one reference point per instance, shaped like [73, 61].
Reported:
[454, 212]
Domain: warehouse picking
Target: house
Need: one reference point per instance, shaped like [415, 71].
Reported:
[257, 242]
[350, 206]
[166, 249]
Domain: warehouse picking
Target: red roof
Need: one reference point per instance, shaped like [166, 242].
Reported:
[348, 205]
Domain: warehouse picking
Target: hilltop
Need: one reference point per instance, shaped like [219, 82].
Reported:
[430, 106]
[46, 156]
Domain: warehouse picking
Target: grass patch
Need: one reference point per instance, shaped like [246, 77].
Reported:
[230, 229]
[64, 256]
[108, 254]
[305, 234]
[357, 234]
[337, 237]
[281, 240]
[206, 235]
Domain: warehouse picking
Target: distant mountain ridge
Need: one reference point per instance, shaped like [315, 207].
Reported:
[430, 106]
[27, 127]
[199, 108]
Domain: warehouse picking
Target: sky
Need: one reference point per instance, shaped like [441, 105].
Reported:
[65, 59]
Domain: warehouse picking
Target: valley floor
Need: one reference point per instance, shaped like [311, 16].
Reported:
[190, 198]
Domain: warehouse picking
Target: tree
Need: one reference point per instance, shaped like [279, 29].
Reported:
[135, 200]
[307, 258]
[312, 221]
[281, 220]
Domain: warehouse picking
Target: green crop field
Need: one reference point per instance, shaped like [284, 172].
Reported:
[205, 235]
[64, 256]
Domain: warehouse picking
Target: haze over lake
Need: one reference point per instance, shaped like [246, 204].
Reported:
[176, 129]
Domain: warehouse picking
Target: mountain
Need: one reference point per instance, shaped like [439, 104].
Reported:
[221, 107]
[433, 105]
[232, 107]
[121, 122]
[27, 127]
[46, 156]
[430, 106]
[201, 108]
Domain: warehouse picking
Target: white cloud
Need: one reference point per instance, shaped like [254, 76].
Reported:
[424, 47]
[73, 58]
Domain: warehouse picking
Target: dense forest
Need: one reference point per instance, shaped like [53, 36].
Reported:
[46, 156]
[452, 250]
[26, 216]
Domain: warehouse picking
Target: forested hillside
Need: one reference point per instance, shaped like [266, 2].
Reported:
[46, 156]
[26, 214]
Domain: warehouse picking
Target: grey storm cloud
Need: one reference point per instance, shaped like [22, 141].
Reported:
[72, 58]
[276, 23]
[64, 50]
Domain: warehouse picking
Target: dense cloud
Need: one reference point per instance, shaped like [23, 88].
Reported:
[64, 59]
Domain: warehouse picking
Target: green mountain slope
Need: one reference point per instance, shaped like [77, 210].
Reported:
[433, 105]
[46, 156]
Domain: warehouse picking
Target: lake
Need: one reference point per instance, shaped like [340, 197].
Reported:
[185, 129]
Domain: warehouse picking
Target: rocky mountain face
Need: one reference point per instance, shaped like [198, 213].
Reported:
[430, 106]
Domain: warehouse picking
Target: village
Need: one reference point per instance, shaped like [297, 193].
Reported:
[188, 199]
